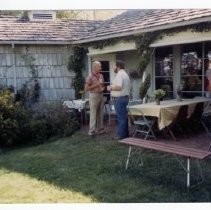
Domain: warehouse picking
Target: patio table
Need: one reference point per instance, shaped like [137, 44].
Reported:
[167, 111]
[78, 104]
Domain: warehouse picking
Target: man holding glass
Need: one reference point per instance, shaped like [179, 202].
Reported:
[120, 91]
[95, 85]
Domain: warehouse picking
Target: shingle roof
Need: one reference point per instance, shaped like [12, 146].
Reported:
[16, 29]
[66, 31]
[137, 20]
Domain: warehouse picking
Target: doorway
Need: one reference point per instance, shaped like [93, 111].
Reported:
[108, 62]
[106, 75]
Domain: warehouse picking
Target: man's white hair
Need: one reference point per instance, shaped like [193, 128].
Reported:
[95, 64]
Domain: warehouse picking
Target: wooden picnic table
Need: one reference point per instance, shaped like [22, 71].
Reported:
[172, 149]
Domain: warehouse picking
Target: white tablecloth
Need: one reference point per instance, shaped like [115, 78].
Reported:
[167, 111]
[76, 104]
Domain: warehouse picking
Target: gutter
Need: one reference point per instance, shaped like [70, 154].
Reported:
[36, 42]
[144, 30]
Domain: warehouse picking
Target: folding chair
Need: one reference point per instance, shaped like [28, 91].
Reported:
[142, 125]
[110, 110]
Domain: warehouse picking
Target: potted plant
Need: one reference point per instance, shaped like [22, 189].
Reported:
[158, 95]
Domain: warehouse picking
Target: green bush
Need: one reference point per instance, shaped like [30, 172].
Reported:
[20, 124]
[40, 130]
[24, 117]
[62, 122]
[8, 122]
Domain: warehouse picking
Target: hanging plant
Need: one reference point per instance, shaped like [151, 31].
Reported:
[76, 64]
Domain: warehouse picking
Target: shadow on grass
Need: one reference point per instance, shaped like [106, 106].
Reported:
[95, 167]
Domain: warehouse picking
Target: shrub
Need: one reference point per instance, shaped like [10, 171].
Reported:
[61, 121]
[8, 123]
[21, 124]
[40, 130]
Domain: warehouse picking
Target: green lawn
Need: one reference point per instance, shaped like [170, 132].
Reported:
[82, 169]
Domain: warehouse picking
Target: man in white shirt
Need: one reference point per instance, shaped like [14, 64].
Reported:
[120, 91]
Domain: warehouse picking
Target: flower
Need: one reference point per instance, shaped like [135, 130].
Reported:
[159, 94]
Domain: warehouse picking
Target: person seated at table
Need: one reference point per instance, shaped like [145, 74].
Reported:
[95, 85]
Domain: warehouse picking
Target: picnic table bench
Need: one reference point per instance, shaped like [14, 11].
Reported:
[169, 148]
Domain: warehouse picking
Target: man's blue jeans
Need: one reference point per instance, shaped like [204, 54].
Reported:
[120, 104]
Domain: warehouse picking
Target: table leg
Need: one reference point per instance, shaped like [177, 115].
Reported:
[188, 172]
[128, 157]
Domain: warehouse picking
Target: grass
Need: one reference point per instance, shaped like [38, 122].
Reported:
[82, 169]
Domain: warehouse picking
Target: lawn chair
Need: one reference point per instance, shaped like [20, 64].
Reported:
[110, 111]
[142, 125]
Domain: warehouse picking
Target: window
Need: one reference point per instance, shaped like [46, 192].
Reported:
[192, 70]
[195, 69]
[164, 70]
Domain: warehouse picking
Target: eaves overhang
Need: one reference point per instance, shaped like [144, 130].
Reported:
[36, 42]
[143, 30]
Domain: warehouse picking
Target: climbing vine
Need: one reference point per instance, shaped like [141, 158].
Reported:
[76, 64]
[144, 40]
[29, 95]
[145, 86]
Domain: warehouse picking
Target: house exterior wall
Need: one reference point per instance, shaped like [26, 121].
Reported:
[50, 64]
[131, 59]
[131, 63]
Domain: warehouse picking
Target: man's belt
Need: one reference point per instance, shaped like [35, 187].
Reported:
[116, 97]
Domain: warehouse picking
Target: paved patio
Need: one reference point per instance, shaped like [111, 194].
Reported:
[199, 140]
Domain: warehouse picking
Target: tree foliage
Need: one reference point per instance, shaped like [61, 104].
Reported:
[70, 14]
[76, 64]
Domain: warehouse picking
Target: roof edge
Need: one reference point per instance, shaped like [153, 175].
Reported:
[16, 42]
[144, 30]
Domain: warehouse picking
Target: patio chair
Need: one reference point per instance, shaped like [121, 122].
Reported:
[110, 111]
[143, 125]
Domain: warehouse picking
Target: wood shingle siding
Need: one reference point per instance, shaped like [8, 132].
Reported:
[50, 64]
